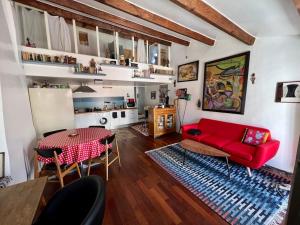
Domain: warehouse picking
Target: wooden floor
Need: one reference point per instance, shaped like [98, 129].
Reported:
[141, 192]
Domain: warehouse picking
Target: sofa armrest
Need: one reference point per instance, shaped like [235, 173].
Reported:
[265, 152]
[186, 127]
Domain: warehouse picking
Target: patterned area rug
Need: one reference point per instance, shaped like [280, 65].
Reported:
[141, 128]
[124, 134]
[240, 200]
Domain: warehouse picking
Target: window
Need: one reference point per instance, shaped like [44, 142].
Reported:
[164, 55]
[125, 46]
[153, 54]
[86, 40]
[32, 27]
[107, 44]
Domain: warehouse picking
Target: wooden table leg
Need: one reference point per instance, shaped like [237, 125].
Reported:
[228, 167]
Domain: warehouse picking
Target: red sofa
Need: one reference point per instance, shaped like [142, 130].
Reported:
[228, 138]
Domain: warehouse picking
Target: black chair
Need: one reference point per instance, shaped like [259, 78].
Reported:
[81, 202]
[53, 132]
[53, 168]
[104, 157]
[97, 127]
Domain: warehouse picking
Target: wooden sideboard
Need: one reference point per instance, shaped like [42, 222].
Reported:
[162, 121]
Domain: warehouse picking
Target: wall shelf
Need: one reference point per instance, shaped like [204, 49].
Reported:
[47, 63]
[119, 66]
[90, 74]
[149, 78]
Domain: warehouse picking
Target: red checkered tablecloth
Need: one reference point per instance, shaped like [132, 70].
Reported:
[78, 148]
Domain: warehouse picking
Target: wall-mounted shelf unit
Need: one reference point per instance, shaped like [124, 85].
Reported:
[47, 63]
[118, 66]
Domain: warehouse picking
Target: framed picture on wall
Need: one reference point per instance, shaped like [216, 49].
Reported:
[2, 168]
[225, 84]
[188, 72]
[83, 38]
[153, 95]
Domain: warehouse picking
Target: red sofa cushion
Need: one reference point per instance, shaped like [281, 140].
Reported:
[240, 150]
[215, 141]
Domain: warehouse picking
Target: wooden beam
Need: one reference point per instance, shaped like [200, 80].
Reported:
[297, 4]
[212, 16]
[89, 21]
[156, 19]
[117, 20]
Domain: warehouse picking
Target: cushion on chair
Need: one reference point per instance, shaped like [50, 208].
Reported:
[240, 150]
[194, 132]
[215, 141]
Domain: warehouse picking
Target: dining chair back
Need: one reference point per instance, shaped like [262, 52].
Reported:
[53, 132]
[107, 141]
[97, 126]
[61, 170]
[80, 202]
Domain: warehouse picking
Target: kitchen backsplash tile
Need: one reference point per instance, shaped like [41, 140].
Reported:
[97, 102]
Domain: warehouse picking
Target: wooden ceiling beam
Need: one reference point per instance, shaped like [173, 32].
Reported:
[141, 13]
[89, 21]
[297, 4]
[81, 7]
[212, 16]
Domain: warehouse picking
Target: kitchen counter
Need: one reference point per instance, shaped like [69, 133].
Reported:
[103, 111]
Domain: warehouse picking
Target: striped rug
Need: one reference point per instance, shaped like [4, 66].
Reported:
[240, 200]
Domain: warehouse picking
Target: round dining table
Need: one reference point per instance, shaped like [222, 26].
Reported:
[77, 144]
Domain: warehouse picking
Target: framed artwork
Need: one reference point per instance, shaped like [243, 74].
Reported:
[225, 84]
[83, 38]
[153, 95]
[288, 92]
[188, 72]
[2, 168]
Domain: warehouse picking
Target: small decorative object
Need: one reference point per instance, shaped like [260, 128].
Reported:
[122, 60]
[146, 73]
[188, 72]
[2, 165]
[151, 68]
[181, 93]
[135, 65]
[113, 62]
[253, 78]
[153, 95]
[288, 92]
[92, 68]
[199, 103]
[225, 84]
[83, 38]
[73, 135]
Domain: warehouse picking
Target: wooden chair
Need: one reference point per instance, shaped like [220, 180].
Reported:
[104, 157]
[53, 168]
[53, 132]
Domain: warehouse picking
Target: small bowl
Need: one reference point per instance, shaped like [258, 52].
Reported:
[73, 135]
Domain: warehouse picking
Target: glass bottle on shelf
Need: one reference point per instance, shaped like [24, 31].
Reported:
[169, 121]
[161, 122]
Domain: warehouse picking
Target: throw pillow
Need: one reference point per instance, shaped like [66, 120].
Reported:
[194, 132]
[255, 136]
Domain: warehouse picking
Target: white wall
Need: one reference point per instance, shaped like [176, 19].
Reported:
[273, 60]
[18, 131]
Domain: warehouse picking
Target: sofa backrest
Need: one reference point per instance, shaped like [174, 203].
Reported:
[231, 131]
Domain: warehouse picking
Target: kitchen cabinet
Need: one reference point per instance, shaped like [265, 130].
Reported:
[162, 121]
[84, 120]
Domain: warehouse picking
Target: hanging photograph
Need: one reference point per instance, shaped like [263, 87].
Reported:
[83, 38]
[2, 168]
[188, 72]
[153, 95]
[225, 84]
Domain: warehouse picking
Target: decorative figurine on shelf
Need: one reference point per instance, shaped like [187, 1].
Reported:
[29, 44]
[92, 68]
[122, 60]
[252, 78]
[98, 68]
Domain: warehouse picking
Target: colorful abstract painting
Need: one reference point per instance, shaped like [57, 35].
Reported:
[225, 84]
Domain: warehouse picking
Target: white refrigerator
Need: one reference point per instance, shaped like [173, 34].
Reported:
[52, 109]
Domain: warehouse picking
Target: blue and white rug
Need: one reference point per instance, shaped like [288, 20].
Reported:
[240, 200]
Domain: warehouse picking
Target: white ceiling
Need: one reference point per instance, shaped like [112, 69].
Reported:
[261, 18]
